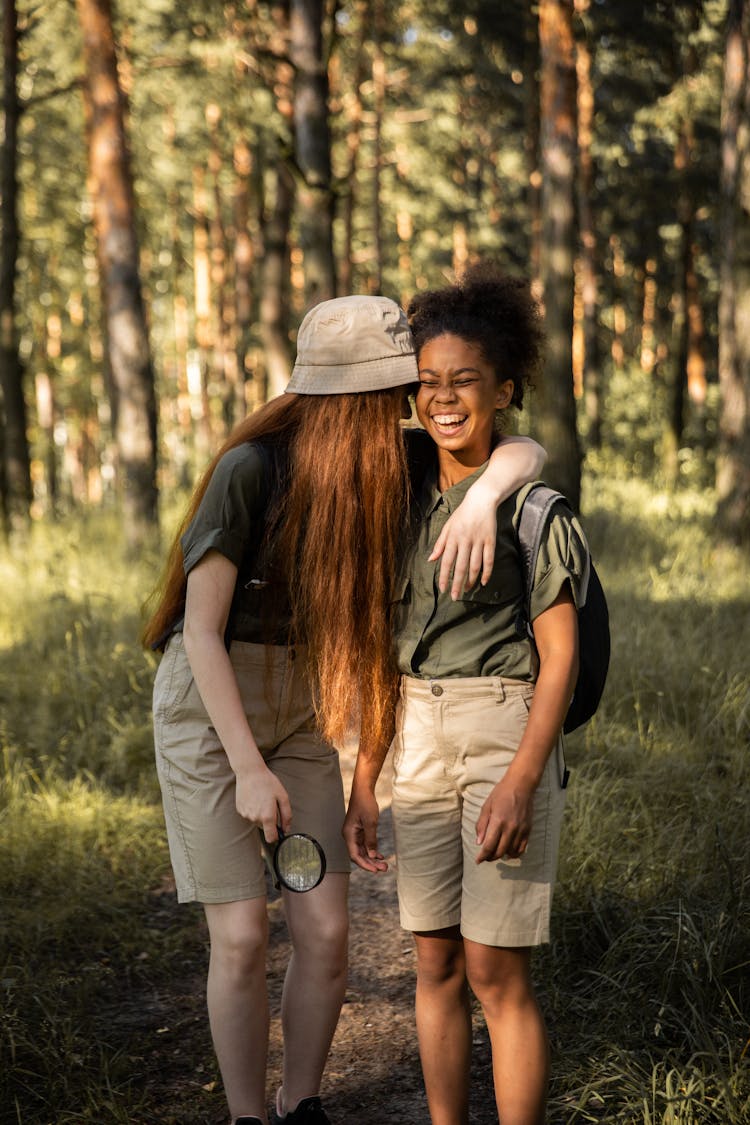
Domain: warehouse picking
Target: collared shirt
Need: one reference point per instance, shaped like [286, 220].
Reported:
[484, 632]
[232, 519]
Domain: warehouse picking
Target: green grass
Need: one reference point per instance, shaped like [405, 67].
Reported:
[77, 863]
[646, 985]
[82, 850]
[647, 981]
[76, 687]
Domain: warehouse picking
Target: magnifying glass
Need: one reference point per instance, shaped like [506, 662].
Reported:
[299, 862]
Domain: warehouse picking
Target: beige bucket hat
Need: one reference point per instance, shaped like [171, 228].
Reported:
[353, 344]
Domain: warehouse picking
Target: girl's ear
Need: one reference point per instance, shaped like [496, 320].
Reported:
[504, 394]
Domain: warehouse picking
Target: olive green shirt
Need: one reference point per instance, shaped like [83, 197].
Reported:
[232, 519]
[484, 632]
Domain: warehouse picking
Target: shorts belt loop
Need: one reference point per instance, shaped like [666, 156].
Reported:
[499, 690]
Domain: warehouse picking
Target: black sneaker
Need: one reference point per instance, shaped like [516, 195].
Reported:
[308, 1112]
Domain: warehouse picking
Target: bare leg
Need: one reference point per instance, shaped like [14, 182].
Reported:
[238, 1001]
[444, 1024]
[501, 980]
[315, 984]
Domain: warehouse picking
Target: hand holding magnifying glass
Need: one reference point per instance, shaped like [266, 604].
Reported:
[299, 862]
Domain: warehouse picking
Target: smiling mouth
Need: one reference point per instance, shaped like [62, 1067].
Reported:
[448, 423]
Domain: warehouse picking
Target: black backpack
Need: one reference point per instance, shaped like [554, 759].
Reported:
[593, 616]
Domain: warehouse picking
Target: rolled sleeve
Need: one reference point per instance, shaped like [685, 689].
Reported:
[230, 514]
[563, 557]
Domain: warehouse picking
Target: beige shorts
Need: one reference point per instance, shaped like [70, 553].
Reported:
[455, 738]
[216, 853]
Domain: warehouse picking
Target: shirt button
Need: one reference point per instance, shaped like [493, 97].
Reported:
[436, 689]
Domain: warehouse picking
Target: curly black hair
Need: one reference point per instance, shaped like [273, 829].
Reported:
[491, 310]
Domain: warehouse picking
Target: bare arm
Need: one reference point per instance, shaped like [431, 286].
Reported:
[467, 542]
[505, 821]
[360, 829]
[260, 797]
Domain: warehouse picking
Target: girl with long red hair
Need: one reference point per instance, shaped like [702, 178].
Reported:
[274, 621]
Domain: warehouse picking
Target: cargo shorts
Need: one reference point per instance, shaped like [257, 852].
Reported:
[216, 854]
[455, 738]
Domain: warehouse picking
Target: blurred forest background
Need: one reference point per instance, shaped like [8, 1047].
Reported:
[179, 182]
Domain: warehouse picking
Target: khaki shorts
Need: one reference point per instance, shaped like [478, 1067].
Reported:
[455, 738]
[216, 853]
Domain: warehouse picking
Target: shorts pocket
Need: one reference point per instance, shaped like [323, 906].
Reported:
[398, 748]
[407, 729]
[491, 723]
[173, 683]
[514, 711]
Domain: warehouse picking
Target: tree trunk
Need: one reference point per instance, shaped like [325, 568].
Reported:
[465, 149]
[697, 384]
[686, 286]
[647, 349]
[47, 328]
[312, 149]
[225, 352]
[405, 232]
[274, 314]
[690, 371]
[588, 262]
[244, 257]
[205, 334]
[353, 143]
[182, 409]
[378, 107]
[531, 142]
[275, 202]
[45, 412]
[556, 417]
[117, 245]
[619, 316]
[733, 464]
[15, 478]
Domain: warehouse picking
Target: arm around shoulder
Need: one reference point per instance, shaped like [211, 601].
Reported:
[467, 542]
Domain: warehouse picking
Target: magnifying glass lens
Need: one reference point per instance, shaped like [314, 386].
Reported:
[299, 862]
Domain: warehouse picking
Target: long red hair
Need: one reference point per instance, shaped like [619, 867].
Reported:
[336, 532]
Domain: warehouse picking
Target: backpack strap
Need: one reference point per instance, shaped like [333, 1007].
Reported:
[535, 511]
[593, 616]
